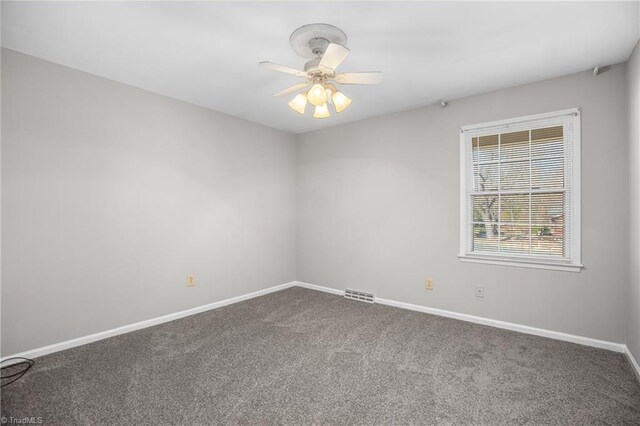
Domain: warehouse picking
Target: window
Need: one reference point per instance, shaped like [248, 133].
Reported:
[520, 191]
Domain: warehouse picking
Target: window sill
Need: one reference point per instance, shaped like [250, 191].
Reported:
[524, 263]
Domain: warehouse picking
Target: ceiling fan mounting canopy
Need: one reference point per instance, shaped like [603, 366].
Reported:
[318, 45]
[311, 40]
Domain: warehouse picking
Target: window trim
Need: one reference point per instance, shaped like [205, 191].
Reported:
[574, 264]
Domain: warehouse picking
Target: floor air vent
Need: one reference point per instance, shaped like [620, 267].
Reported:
[359, 295]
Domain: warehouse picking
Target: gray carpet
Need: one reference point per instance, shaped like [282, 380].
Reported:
[299, 356]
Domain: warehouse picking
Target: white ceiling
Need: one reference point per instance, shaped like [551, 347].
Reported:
[207, 53]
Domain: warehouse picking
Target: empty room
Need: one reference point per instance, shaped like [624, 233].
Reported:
[320, 212]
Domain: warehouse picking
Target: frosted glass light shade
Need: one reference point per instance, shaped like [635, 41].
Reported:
[299, 103]
[322, 111]
[340, 101]
[317, 95]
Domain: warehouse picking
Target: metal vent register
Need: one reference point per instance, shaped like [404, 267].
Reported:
[359, 295]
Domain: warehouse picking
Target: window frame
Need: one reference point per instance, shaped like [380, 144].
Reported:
[573, 263]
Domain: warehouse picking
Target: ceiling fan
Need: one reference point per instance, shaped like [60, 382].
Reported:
[326, 45]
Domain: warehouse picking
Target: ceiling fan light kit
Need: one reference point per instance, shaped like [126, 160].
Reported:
[326, 45]
[317, 95]
[321, 111]
[299, 103]
[340, 101]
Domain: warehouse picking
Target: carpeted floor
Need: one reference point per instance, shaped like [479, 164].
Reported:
[299, 356]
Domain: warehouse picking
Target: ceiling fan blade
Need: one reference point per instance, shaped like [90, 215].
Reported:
[281, 68]
[333, 56]
[373, 77]
[295, 88]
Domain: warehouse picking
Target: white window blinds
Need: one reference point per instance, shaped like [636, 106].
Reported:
[520, 182]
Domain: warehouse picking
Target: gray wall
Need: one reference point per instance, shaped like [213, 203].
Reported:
[112, 195]
[633, 83]
[378, 210]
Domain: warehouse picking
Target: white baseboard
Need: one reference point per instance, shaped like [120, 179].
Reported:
[587, 341]
[617, 347]
[68, 344]
[319, 288]
[633, 362]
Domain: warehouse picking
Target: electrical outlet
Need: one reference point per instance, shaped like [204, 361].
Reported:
[428, 284]
[191, 280]
[479, 291]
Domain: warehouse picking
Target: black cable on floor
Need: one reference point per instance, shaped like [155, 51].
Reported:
[23, 366]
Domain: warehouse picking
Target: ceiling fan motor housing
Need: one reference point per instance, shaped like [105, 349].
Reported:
[312, 68]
